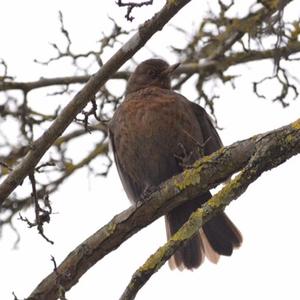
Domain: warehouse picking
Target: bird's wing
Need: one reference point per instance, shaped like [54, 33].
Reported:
[211, 138]
[132, 189]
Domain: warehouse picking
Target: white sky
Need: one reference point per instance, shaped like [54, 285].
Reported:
[267, 266]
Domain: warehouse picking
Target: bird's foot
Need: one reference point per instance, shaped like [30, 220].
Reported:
[183, 158]
[147, 192]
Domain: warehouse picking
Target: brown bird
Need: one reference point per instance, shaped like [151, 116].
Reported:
[155, 133]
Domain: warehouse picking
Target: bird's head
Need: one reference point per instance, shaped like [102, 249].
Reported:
[151, 73]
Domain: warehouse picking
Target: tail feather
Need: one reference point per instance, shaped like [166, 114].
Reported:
[189, 256]
[222, 234]
[238, 240]
[209, 252]
[219, 236]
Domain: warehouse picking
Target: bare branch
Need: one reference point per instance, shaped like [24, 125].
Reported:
[282, 78]
[206, 68]
[216, 36]
[42, 215]
[13, 206]
[3, 74]
[45, 82]
[66, 52]
[41, 145]
[14, 295]
[131, 5]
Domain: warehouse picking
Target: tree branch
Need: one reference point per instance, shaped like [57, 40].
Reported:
[45, 82]
[212, 52]
[206, 68]
[131, 5]
[270, 152]
[12, 206]
[261, 151]
[87, 93]
[210, 67]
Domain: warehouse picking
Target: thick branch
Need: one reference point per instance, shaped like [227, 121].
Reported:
[87, 93]
[207, 173]
[270, 152]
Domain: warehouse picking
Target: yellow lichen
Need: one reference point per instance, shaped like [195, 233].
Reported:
[225, 193]
[4, 171]
[296, 125]
[69, 167]
[289, 138]
[172, 2]
[109, 229]
[153, 260]
[215, 201]
[295, 32]
[190, 177]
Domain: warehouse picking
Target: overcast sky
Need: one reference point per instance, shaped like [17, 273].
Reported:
[267, 266]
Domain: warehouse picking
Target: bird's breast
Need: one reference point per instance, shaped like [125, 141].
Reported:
[156, 123]
[147, 135]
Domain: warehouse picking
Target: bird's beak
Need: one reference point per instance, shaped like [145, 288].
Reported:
[170, 70]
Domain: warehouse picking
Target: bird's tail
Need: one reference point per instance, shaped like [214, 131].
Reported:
[218, 236]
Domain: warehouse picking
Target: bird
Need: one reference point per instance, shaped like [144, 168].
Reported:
[156, 133]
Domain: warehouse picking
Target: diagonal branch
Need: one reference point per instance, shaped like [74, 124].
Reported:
[86, 94]
[269, 154]
[277, 146]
